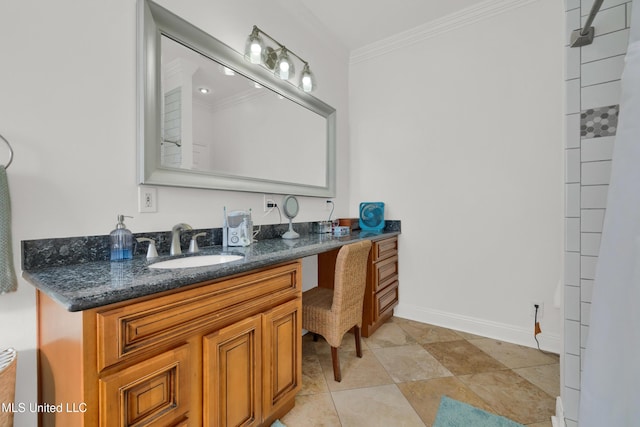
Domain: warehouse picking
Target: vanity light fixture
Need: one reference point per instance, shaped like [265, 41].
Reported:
[278, 59]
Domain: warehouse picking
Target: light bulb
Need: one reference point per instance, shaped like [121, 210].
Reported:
[256, 53]
[284, 67]
[307, 81]
[253, 47]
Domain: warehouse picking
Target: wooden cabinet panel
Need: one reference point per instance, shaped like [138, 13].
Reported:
[385, 272]
[142, 326]
[386, 300]
[232, 375]
[282, 355]
[384, 248]
[152, 393]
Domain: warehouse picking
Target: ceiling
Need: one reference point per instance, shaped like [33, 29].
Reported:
[358, 23]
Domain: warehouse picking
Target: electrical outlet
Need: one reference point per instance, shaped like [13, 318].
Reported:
[147, 199]
[268, 203]
[540, 309]
[328, 205]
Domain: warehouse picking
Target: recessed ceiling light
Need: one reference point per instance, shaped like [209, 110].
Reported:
[204, 90]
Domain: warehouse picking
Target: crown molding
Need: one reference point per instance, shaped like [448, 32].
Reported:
[468, 16]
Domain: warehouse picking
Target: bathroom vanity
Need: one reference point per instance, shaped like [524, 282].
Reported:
[121, 344]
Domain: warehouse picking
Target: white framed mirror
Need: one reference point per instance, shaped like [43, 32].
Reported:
[250, 132]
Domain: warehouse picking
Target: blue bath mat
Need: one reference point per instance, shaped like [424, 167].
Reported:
[452, 413]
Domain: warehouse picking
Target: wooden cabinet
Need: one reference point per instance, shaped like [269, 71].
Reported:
[381, 292]
[222, 353]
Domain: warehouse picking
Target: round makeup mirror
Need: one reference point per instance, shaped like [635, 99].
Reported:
[290, 208]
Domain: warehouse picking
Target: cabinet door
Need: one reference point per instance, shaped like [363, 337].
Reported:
[232, 375]
[282, 355]
[152, 393]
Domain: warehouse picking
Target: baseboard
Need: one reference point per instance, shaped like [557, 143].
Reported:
[482, 327]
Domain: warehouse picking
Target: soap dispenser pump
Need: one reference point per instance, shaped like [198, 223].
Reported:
[121, 241]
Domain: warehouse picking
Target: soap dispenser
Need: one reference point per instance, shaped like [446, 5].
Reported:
[121, 241]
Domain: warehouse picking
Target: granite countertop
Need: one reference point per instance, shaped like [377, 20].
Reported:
[89, 285]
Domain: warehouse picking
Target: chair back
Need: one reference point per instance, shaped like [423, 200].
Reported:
[350, 282]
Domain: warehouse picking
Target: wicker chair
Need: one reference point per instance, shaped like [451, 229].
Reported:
[333, 312]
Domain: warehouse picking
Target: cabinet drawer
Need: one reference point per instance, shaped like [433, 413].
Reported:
[154, 392]
[384, 248]
[132, 329]
[385, 272]
[386, 299]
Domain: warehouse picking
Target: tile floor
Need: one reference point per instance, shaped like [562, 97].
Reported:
[407, 366]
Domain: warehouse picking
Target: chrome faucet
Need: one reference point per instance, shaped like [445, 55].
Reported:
[175, 237]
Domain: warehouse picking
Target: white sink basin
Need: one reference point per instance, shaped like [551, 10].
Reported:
[196, 261]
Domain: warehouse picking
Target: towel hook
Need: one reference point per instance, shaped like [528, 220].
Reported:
[10, 152]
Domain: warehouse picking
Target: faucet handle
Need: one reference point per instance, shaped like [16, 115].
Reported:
[193, 246]
[151, 251]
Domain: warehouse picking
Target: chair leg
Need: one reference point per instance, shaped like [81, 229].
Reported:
[356, 332]
[337, 375]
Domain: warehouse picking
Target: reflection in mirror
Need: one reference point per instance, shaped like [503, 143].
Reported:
[211, 120]
[216, 120]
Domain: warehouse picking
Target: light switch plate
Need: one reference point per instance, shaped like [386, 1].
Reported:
[147, 199]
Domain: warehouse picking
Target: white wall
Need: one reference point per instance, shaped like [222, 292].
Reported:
[68, 105]
[458, 128]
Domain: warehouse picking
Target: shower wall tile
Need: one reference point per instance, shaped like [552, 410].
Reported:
[594, 197]
[572, 334]
[599, 122]
[606, 46]
[572, 303]
[572, 68]
[586, 5]
[590, 243]
[588, 267]
[572, 200]
[570, 401]
[571, 4]
[572, 165]
[594, 173]
[598, 95]
[601, 71]
[586, 290]
[572, 234]
[584, 336]
[572, 128]
[597, 149]
[592, 220]
[572, 371]
[572, 268]
[585, 313]
[629, 7]
[609, 20]
[573, 96]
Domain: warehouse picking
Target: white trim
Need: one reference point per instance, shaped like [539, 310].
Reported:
[486, 328]
[558, 419]
[468, 16]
